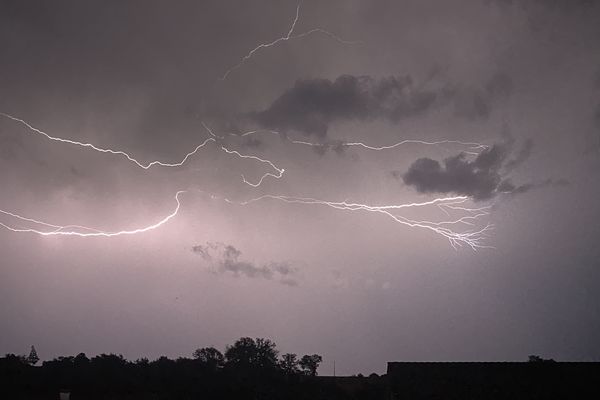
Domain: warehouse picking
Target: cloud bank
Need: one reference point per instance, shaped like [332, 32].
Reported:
[481, 178]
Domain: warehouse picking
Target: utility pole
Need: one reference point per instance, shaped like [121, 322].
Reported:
[334, 368]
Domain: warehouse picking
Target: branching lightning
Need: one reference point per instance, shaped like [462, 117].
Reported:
[277, 175]
[213, 139]
[285, 38]
[278, 171]
[462, 225]
[473, 238]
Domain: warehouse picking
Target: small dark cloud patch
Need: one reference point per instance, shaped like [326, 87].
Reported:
[225, 258]
[480, 178]
[313, 104]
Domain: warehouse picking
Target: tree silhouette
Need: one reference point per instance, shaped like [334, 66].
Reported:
[267, 353]
[289, 364]
[249, 353]
[250, 368]
[32, 358]
[310, 364]
[209, 357]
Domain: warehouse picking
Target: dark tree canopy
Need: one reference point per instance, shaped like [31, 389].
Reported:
[310, 364]
[210, 357]
[289, 364]
[249, 353]
[249, 368]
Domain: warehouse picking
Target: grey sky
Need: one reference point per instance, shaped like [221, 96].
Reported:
[358, 288]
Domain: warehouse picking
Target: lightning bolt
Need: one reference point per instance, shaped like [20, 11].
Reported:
[146, 166]
[213, 139]
[277, 175]
[470, 145]
[278, 171]
[452, 228]
[82, 231]
[473, 238]
[285, 38]
[473, 147]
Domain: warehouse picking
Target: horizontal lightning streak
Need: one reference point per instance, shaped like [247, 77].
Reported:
[110, 151]
[471, 145]
[212, 139]
[446, 228]
[68, 230]
[473, 239]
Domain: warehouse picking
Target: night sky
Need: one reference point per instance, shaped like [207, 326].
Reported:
[284, 227]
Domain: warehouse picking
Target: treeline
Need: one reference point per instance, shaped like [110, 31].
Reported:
[248, 369]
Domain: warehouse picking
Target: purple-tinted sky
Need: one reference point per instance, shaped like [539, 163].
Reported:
[521, 77]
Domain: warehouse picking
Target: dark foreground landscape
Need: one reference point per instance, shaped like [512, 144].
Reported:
[254, 369]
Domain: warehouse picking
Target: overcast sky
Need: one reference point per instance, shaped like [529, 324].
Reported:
[520, 77]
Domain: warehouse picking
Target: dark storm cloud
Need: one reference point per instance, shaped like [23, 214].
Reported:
[226, 258]
[481, 178]
[313, 104]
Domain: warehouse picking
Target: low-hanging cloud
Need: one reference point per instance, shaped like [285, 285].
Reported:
[226, 258]
[481, 178]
